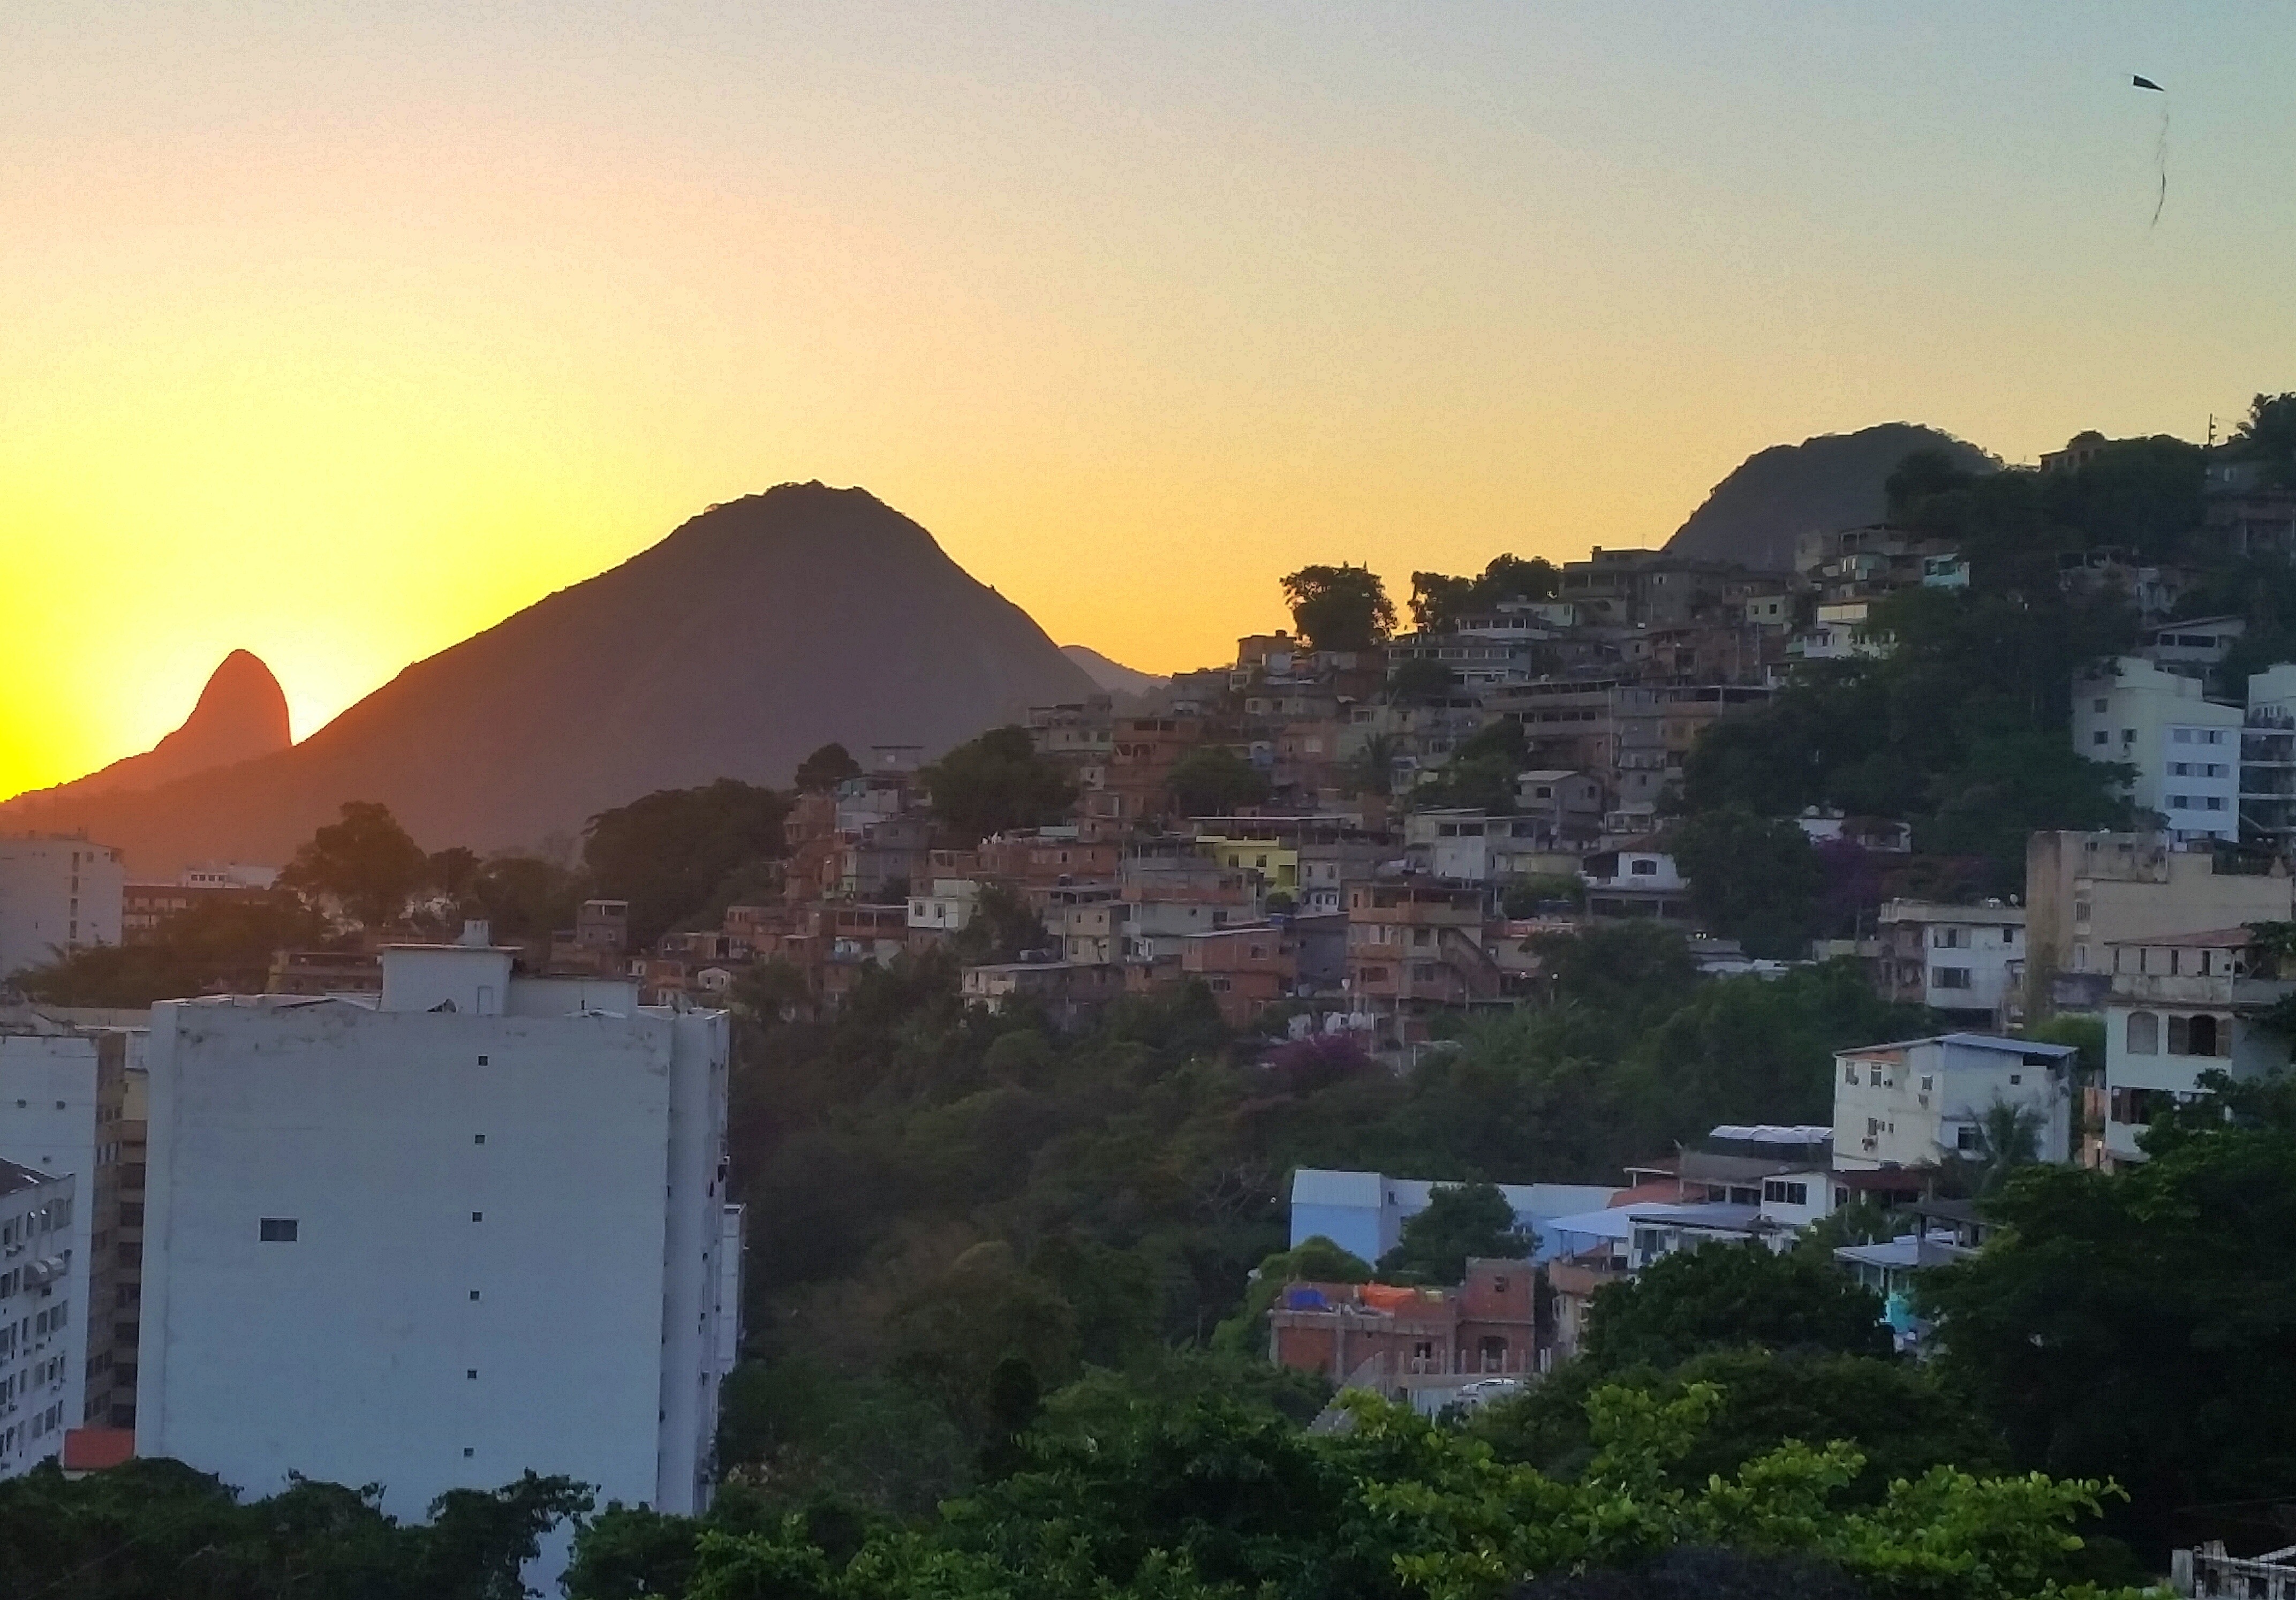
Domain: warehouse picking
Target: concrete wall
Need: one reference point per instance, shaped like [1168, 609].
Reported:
[40, 1323]
[56, 893]
[535, 1200]
[50, 1101]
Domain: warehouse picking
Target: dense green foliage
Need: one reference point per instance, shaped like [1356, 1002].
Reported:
[1438, 601]
[1210, 1500]
[1128, 1179]
[157, 1530]
[365, 863]
[1895, 1412]
[1961, 727]
[824, 769]
[995, 783]
[1727, 1296]
[668, 853]
[1214, 781]
[1313, 1260]
[2140, 1325]
[1481, 773]
[1461, 1222]
[1753, 879]
[222, 946]
[1338, 608]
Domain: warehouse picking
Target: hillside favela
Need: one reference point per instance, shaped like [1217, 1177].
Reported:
[1601, 974]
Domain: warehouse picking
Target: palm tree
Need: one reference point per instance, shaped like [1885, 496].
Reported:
[2009, 1137]
[1372, 769]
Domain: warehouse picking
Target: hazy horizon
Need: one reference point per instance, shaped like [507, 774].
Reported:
[339, 336]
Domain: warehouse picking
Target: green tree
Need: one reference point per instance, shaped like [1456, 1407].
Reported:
[995, 783]
[1753, 1049]
[364, 863]
[1437, 602]
[824, 769]
[1751, 879]
[524, 896]
[215, 946]
[1206, 1499]
[1726, 1296]
[1212, 780]
[668, 852]
[1420, 679]
[1462, 1221]
[1002, 928]
[1339, 608]
[1314, 1260]
[954, 1334]
[1898, 1416]
[1371, 770]
[2137, 1324]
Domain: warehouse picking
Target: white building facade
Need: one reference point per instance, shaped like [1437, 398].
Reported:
[2179, 1008]
[2186, 748]
[1919, 1102]
[39, 1320]
[56, 895]
[434, 1239]
[1965, 961]
[60, 1092]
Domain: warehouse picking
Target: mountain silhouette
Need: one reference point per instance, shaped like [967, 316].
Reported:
[241, 714]
[1833, 481]
[1113, 678]
[754, 633]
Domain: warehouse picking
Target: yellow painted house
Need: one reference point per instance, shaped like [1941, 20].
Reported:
[1277, 864]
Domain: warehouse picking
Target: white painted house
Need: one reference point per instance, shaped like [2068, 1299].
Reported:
[1962, 960]
[2186, 748]
[1917, 1102]
[39, 1319]
[56, 895]
[952, 905]
[435, 1238]
[2176, 1012]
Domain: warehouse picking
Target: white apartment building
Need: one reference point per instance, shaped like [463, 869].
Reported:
[2185, 749]
[1917, 1102]
[56, 894]
[1962, 960]
[434, 1238]
[2176, 1012]
[60, 1094]
[39, 1320]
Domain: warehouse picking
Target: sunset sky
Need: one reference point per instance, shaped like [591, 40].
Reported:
[339, 332]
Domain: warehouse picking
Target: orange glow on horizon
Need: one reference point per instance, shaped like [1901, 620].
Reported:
[341, 338]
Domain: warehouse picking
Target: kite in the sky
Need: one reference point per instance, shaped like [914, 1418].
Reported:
[2160, 149]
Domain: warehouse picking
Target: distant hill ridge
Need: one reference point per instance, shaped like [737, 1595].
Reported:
[1832, 482]
[753, 634]
[241, 714]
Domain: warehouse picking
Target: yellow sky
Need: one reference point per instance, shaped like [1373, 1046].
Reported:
[340, 332]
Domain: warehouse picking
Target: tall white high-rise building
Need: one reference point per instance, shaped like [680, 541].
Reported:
[435, 1238]
[39, 1320]
[56, 895]
[62, 1089]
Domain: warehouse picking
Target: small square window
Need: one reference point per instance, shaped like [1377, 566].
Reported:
[477, 1138]
[474, 1294]
[478, 1216]
[468, 1452]
[482, 1061]
[276, 1230]
[471, 1372]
